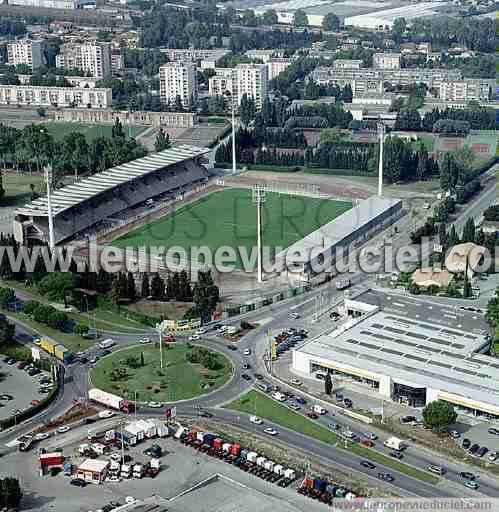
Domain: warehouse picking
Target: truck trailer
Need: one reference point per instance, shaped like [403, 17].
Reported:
[110, 400]
[395, 443]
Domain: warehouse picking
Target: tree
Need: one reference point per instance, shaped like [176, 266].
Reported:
[57, 285]
[145, 289]
[142, 359]
[81, 329]
[162, 141]
[6, 330]
[41, 111]
[328, 384]
[439, 415]
[249, 18]
[247, 109]
[117, 131]
[408, 120]
[399, 27]
[331, 22]
[449, 172]
[270, 17]
[7, 295]
[206, 294]
[157, 287]
[10, 493]
[130, 287]
[469, 230]
[300, 18]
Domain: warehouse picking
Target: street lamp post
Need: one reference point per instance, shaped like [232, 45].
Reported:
[381, 134]
[234, 168]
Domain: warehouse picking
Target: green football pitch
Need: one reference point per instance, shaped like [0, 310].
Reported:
[228, 218]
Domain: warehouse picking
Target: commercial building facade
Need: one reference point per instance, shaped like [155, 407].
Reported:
[26, 95]
[93, 57]
[25, 51]
[413, 361]
[178, 80]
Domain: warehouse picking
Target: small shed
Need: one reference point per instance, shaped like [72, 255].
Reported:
[93, 470]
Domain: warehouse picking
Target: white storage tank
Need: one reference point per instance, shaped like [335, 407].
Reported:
[252, 456]
[226, 447]
[289, 474]
[278, 470]
[260, 461]
[269, 465]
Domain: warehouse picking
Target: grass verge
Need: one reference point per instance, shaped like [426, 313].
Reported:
[255, 402]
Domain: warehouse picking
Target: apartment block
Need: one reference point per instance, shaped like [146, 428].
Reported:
[92, 57]
[386, 60]
[48, 4]
[347, 64]
[117, 62]
[25, 51]
[467, 89]
[276, 66]
[178, 79]
[252, 80]
[25, 95]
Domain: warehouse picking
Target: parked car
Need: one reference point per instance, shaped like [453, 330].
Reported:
[246, 366]
[205, 414]
[258, 376]
[296, 382]
[247, 352]
[482, 451]
[78, 482]
[466, 443]
[144, 341]
[232, 347]
[63, 429]
[41, 436]
[300, 400]
[454, 434]
[333, 426]
[294, 407]
[200, 331]
[347, 403]
[474, 448]
[256, 420]
[368, 443]
[438, 470]
[312, 415]
[367, 464]
[493, 456]
[493, 431]
[194, 337]
[408, 419]
[245, 376]
[370, 435]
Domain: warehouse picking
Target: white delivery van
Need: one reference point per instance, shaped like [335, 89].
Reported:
[107, 343]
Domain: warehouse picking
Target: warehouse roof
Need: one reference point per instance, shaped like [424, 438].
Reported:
[424, 354]
[72, 195]
[344, 225]
[407, 11]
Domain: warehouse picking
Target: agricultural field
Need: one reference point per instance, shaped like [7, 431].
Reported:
[123, 373]
[91, 131]
[228, 218]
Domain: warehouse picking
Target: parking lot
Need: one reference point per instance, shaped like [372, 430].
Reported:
[23, 389]
[181, 468]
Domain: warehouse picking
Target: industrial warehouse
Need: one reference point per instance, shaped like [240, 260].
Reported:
[319, 249]
[110, 195]
[410, 361]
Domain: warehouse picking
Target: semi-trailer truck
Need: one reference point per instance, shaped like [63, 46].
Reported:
[110, 400]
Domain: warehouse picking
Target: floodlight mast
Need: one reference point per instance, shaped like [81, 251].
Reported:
[48, 182]
[259, 199]
[234, 167]
[381, 134]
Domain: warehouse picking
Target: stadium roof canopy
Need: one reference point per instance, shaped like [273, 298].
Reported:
[72, 195]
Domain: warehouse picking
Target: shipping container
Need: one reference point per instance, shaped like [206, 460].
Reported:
[308, 483]
[208, 439]
[235, 450]
[320, 484]
[227, 447]
[200, 436]
[289, 474]
[269, 465]
[279, 470]
[63, 354]
[340, 492]
[48, 345]
[218, 443]
[110, 400]
[331, 489]
[252, 456]
[260, 461]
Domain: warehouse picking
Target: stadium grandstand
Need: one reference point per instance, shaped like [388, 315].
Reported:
[90, 202]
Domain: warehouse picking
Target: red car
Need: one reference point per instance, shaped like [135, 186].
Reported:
[368, 443]
[34, 402]
[312, 415]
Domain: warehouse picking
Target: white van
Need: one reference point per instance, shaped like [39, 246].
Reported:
[279, 396]
[107, 343]
[318, 409]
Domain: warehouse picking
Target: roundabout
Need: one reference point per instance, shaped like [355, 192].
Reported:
[188, 371]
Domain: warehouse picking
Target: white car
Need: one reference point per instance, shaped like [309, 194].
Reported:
[113, 478]
[247, 351]
[106, 414]
[256, 420]
[154, 405]
[493, 456]
[295, 316]
[41, 436]
[144, 341]
[295, 407]
[371, 436]
[129, 500]
[37, 341]
[348, 434]
[63, 429]
[200, 331]
[271, 431]
[296, 382]
[194, 337]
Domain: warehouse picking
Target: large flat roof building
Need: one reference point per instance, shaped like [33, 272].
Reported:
[412, 359]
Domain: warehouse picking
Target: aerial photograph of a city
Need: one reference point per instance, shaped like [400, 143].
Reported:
[249, 256]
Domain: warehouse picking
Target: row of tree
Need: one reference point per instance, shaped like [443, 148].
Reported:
[32, 147]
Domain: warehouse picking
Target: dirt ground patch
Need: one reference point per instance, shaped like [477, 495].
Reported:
[171, 310]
